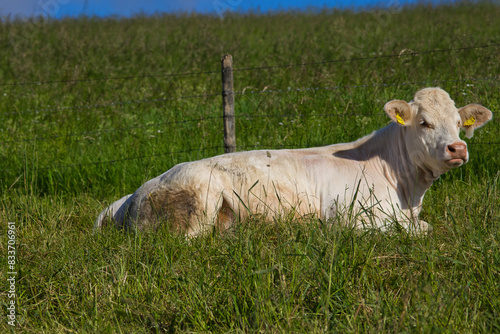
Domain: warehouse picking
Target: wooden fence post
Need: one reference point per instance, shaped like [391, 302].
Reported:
[228, 104]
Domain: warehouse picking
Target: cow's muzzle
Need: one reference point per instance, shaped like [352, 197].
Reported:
[457, 154]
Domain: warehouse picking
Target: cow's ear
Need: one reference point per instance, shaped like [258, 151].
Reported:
[474, 116]
[399, 111]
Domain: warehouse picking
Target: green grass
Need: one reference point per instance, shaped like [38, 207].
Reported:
[260, 276]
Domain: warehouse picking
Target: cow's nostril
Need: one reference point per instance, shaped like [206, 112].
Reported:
[457, 150]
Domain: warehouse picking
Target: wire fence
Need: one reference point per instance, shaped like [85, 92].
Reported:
[410, 53]
[140, 157]
[492, 80]
[110, 104]
[104, 131]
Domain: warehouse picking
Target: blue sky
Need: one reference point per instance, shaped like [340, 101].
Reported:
[63, 8]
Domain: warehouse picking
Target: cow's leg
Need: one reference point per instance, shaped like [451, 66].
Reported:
[417, 226]
[226, 214]
[218, 210]
[424, 227]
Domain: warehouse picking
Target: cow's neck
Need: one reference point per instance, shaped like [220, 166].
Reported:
[386, 150]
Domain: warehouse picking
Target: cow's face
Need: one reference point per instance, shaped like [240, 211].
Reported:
[432, 124]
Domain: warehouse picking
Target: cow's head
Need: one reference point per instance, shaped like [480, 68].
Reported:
[432, 123]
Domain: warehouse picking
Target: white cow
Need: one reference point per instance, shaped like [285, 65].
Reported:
[379, 179]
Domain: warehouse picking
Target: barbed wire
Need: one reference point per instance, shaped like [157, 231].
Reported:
[112, 104]
[306, 89]
[129, 77]
[98, 132]
[54, 167]
[243, 92]
[341, 60]
[133, 77]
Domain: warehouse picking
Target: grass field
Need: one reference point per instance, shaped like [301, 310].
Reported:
[91, 108]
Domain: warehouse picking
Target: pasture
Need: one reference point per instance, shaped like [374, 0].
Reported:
[92, 108]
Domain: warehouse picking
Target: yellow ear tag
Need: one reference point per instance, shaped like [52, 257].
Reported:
[400, 119]
[470, 121]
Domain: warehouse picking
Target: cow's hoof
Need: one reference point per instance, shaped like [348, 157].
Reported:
[423, 228]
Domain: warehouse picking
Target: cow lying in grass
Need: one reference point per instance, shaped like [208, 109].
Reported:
[381, 178]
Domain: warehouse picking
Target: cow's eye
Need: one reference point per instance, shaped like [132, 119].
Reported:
[424, 124]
